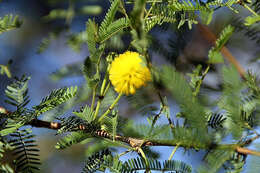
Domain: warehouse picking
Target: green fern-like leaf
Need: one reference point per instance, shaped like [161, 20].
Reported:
[189, 138]
[112, 29]
[26, 151]
[161, 13]
[45, 42]
[231, 100]
[216, 120]
[214, 53]
[215, 160]
[138, 164]
[4, 148]
[67, 71]
[75, 123]
[113, 164]
[252, 31]
[188, 6]
[75, 41]
[4, 69]
[56, 14]
[9, 22]
[73, 138]
[56, 98]
[110, 15]
[192, 111]
[250, 20]
[94, 162]
[91, 38]
[17, 92]
[10, 127]
[85, 114]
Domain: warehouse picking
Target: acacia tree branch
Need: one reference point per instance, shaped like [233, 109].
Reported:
[134, 142]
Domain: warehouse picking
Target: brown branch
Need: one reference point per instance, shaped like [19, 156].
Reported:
[247, 151]
[209, 36]
[133, 142]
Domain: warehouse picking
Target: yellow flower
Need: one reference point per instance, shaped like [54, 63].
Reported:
[128, 72]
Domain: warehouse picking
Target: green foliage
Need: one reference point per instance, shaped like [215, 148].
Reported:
[56, 98]
[189, 138]
[9, 22]
[161, 14]
[4, 148]
[91, 34]
[5, 69]
[10, 127]
[73, 138]
[94, 162]
[192, 111]
[218, 128]
[231, 100]
[252, 31]
[110, 15]
[133, 165]
[67, 71]
[214, 53]
[188, 6]
[17, 92]
[57, 14]
[75, 41]
[85, 114]
[215, 159]
[250, 20]
[112, 29]
[25, 151]
[45, 42]
[216, 120]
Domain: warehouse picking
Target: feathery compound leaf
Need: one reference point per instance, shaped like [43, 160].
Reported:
[91, 29]
[112, 29]
[138, 164]
[214, 53]
[56, 98]
[11, 127]
[188, 6]
[216, 120]
[74, 123]
[46, 41]
[85, 114]
[26, 151]
[94, 162]
[75, 41]
[230, 100]
[190, 138]
[4, 69]
[4, 148]
[8, 22]
[113, 164]
[17, 92]
[224, 36]
[192, 111]
[215, 160]
[252, 32]
[161, 14]
[73, 138]
[67, 71]
[110, 15]
[250, 20]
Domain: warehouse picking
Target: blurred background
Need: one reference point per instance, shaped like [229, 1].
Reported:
[44, 44]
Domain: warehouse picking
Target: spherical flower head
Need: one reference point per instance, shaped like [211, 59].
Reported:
[128, 72]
